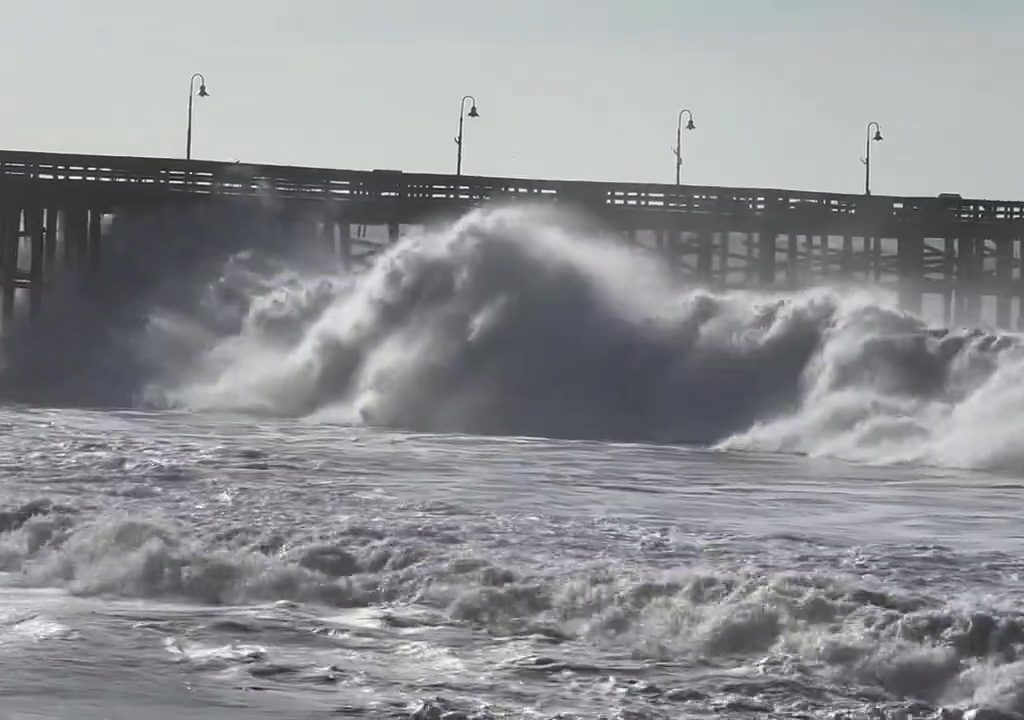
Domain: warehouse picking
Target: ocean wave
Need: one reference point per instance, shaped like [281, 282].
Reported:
[514, 321]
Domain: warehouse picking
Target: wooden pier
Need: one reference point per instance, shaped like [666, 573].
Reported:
[965, 254]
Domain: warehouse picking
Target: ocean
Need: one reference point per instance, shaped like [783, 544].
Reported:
[511, 470]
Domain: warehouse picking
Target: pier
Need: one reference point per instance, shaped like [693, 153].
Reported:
[55, 210]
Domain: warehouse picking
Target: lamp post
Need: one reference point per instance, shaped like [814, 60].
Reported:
[678, 151]
[191, 94]
[462, 117]
[867, 153]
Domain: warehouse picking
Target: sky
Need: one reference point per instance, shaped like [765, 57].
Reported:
[781, 90]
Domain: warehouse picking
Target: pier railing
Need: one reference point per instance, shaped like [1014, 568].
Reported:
[959, 249]
[134, 178]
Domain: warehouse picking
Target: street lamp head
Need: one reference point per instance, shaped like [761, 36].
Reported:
[878, 134]
[202, 91]
[473, 111]
[690, 125]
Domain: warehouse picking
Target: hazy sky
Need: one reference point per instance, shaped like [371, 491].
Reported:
[577, 89]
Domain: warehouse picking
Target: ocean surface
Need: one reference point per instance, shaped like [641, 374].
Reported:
[511, 470]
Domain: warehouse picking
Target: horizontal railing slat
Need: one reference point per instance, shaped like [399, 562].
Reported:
[234, 179]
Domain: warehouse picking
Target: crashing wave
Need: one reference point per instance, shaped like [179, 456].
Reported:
[515, 321]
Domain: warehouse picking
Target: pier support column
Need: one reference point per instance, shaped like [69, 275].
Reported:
[76, 228]
[876, 258]
[394, 232]
[792, 261]
[345, 244]
[1004, 281]
[10, 240]
[910, 259]
[805, 259]
[676, 247]
[68, 251]
[948, 280]
[766, 257]
[824, 259]
[806, 264]
[704, 255]
[846, 259]
[977, 281]
[723, 257]
[34, 229]
[1019, 242]
[329, 236]
[749, 261]
[968, 305]
[94, 243]
[50, 243]
[661, 244]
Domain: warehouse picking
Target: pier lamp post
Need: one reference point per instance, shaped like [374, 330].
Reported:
[678, 151]
[877, 137]
[191, 95]
[462, 117]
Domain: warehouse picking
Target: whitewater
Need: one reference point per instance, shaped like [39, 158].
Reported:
[515, 468]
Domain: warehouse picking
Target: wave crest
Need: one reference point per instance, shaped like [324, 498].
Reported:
[516, 321]
[513, 321]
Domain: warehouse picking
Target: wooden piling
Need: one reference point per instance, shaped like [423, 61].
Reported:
[792, 261]
[821, 268]
[50, 242]
[704, 255]
[767, 245]
[1004, 281]
[1019, 242]
[948, 280]
[749, 258]
[68, 237]
[723, 257]
[345, 244]
[34, 229]
[327, 235]
[876, 258]
[968, 306]
[76, 229]
[94, 242]
[846, 259]
[910, 262]
[10, 241]
[660, 238]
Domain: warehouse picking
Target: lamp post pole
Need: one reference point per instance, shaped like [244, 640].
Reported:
[462, 117]
[191, 95]
[678, 151]
[867, 153]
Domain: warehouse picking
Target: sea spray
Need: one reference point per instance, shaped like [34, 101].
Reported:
[507, 322]
[517, 321]
[512, 321]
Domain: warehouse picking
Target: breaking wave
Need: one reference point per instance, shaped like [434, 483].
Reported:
[515, 321]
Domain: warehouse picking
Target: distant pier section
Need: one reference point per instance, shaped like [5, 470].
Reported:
[963, 253]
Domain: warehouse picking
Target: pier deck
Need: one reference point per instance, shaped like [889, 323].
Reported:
[53, 207]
